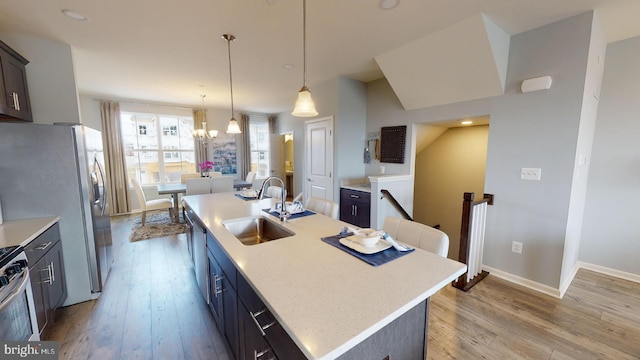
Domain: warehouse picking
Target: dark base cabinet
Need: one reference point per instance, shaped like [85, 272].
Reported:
[355, 207]
[46, 270]
[253, 333]
[249, 328]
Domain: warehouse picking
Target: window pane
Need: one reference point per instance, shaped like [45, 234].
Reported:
[144, 134]
[259, 143]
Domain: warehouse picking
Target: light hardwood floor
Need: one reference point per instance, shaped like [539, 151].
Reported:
[151, 309]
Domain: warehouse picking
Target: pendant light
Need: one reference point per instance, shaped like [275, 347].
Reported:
[304, 105]
[202, 134]
[233, 127]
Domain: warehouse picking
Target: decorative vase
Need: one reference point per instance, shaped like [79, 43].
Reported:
[205, 174]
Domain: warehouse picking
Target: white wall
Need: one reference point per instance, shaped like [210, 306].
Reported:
[593, 76]
[610, 232]
[50, 78]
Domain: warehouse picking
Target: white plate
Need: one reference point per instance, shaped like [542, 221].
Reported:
[352, 243]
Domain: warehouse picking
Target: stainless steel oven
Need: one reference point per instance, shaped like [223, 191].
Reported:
[17, 311]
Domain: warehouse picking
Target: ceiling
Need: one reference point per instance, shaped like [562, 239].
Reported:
[171, 52]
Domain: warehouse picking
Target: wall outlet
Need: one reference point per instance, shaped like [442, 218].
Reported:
[530, 173]
[516, 247]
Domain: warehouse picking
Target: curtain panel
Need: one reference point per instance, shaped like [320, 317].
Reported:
[199, 116]
[114, 158]
[245, 145]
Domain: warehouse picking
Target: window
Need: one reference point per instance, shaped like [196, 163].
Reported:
[158, 148]
[259, 145]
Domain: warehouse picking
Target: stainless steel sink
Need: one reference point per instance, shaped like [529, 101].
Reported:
[256, 230]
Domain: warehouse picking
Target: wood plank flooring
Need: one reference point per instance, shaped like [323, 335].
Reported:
[151, 308]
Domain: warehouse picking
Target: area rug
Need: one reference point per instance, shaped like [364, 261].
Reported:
[156, 225]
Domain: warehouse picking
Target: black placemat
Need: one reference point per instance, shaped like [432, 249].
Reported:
[293, 216]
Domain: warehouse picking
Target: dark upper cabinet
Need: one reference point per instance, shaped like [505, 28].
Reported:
[14, 94]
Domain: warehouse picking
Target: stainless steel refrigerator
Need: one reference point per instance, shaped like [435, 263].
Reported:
[49, 170]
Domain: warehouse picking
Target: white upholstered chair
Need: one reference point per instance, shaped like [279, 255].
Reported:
[417, 235]
[275, 192]
[184, 177]
[221, 184]
[150, 205]
[200, 185]
[251, 176]
[215, 174]
[323, 206]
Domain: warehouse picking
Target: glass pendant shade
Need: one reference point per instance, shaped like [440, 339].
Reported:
[304, 104]
[233, 127]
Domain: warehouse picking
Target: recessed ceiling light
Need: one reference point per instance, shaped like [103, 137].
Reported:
[288, 66]
[74, 15]
[271, 2]
[388, 4]
[466, 122]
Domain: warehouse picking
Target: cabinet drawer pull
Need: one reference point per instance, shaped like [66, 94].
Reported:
[260, 327]
[49, 280]
[258, 354]
[15, 101]
[355, 196]
[53, 274]
[217, 290]
[43, 246]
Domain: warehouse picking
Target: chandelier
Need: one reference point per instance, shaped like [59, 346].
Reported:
[202, 134]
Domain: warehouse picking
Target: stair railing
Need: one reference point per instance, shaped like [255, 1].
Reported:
[474, 216]
[386, 194]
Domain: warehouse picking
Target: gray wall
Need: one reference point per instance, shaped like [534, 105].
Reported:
[345, 100]
[538, 129]
[50, 78]
[611, 227]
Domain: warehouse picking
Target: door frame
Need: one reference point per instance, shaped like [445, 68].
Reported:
[328, 155]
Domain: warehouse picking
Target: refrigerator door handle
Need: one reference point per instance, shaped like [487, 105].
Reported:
[103, 204]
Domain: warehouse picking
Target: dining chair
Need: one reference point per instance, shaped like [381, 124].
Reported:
[215, 174]
[275, 192]
[150, 205]
[221, 184]
[323, 206]
[201, 185]
[417, 235]
[184, 177]
[251, 176]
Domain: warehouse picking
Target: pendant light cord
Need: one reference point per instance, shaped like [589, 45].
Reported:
[304, 43]
[229, 39]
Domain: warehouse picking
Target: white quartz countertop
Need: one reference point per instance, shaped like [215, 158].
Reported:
[358, 187]
[327, 300]
[22, 232]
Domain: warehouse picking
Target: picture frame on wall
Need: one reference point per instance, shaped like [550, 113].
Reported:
[392, 144]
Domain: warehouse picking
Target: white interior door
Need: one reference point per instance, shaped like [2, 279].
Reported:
[319, 158]
[276, 156]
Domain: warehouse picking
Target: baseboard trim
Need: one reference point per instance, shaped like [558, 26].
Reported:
[533, 285]
[567, 282]
[559, 293]
[609, 271]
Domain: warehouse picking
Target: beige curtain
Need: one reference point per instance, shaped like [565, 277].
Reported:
[115, 166]
[201, 149]
[272, 124]
[245, 145]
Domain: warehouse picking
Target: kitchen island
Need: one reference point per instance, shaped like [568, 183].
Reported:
[328, 301]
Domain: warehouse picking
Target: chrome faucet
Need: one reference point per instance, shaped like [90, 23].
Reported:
[284, 213]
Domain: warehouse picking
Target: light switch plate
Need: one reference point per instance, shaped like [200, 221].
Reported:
[530, 173]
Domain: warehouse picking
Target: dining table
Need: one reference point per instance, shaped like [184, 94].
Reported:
[175, 189]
